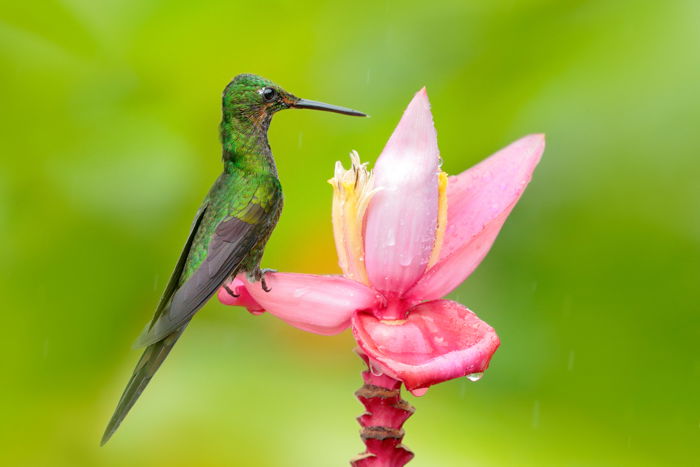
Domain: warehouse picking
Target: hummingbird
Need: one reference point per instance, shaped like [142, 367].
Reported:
[231, 227]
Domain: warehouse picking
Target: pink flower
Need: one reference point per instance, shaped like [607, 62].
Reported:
[406, 235]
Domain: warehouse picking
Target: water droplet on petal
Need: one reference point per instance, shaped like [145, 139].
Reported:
[301, 291]
[475, 376]
[391, 238]
[419, 391]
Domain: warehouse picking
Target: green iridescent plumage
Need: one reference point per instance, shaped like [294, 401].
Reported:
[231, 227]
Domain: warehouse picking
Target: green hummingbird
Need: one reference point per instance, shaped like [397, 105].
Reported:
[231, 227]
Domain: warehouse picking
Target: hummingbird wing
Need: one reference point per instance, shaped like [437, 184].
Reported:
[229, 245]
[233, 239]
[155, 354]
[182, 260]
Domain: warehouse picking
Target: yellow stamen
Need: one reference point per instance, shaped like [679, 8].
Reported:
[441, 219]
[352, 192]
[393, 322]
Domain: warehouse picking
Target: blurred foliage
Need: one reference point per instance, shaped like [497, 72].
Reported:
[108, 136]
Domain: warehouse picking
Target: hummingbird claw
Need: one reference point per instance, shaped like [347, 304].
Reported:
[230, 292]
[262, 278]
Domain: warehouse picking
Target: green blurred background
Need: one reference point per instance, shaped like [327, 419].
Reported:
[108, 137]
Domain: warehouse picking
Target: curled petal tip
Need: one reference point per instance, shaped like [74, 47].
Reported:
[421, 100]
[536, 142]
[235, 293]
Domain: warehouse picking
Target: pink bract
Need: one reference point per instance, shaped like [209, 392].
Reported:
[402, 217]
[439, 340]
[416, 250]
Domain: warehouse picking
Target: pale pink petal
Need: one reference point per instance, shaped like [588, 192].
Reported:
[402, 216]
[440, 340]
[478, 203]
[318, 304]
[442, 278]
[478, 195]
[244, 299]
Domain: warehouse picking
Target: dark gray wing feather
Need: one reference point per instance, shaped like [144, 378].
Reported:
[177, 272]
[231, 243]
[155, 354]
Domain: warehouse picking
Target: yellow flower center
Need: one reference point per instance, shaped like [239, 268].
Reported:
[352, 191]
[441, 219]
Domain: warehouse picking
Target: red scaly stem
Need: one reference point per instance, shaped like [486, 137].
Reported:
[385, 414]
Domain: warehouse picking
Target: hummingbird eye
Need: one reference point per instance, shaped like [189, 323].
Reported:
[268, 94]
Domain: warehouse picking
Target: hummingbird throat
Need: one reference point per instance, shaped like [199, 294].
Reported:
[245, 144]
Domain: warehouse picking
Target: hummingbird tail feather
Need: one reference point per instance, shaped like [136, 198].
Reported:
[147, 366]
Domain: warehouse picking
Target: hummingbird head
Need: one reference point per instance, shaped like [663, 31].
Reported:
[256, 99]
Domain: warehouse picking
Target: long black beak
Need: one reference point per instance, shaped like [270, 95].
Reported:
[307, 104]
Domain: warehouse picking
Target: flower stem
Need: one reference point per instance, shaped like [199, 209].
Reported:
[385, 414]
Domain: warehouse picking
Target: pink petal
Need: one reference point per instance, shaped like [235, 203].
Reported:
[439, 340]
[318, 304]
[478, 202]
[244, 299]
[481, 193]
[402, 216]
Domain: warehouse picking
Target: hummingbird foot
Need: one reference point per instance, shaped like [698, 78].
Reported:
[261, 277]
[230, 292]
